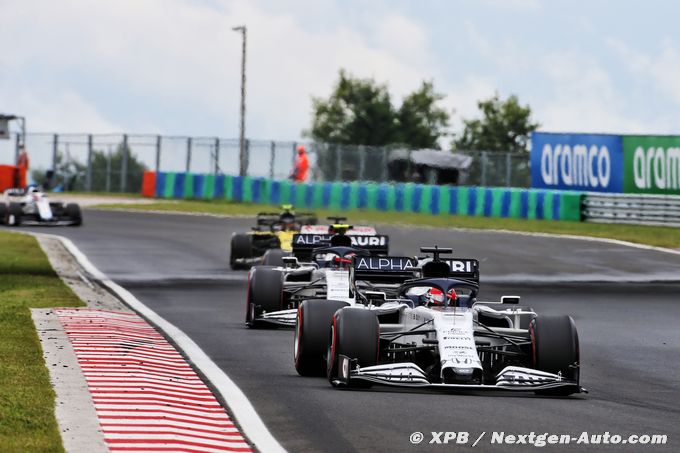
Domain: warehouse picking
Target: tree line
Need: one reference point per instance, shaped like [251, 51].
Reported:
[360, 111]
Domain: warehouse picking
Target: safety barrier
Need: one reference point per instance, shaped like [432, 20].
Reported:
[342, 196]
[12, 176]
[633, 209]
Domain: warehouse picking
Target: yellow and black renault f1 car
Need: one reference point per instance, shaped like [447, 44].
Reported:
[273, 231]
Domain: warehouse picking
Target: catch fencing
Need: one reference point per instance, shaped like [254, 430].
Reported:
[116, 162]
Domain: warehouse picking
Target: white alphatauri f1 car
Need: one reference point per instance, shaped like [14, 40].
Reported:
[417, 323]
[317, 269]
[312, 236]
[31, 206]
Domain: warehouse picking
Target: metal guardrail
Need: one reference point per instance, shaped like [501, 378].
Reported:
[660, 210]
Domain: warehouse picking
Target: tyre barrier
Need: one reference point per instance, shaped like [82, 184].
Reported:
[342, 196]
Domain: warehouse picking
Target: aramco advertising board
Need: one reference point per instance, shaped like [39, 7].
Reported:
[606, 163]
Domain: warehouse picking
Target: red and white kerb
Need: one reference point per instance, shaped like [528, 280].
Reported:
[146, 395]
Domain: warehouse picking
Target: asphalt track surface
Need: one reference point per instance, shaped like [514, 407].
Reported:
[629, 335]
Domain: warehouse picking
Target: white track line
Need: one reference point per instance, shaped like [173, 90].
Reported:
[244, 412]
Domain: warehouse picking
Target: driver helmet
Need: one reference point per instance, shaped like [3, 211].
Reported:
[333, 261]
[437, 298]
[287, 221]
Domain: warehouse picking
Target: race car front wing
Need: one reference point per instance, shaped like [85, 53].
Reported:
[282, 318]
[407, 374]
[32, 222]
[252, 261]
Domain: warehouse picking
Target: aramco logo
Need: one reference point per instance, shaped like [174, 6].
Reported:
[656, 168]
[580, 166]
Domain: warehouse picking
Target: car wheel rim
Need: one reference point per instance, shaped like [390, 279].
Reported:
[331, 350]
[298, 333]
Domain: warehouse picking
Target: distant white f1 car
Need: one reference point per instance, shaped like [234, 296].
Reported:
[31, 206]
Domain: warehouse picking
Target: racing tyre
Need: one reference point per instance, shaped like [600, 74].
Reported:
[241, 247]
[14, 213]
[3, 213]
[311, 335]
[355, 333]
[555, 349]
[274, 257]
[72, 211]
[265, 293]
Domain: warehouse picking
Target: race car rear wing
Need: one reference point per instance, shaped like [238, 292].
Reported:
[353, 230]
[267, 219]
[383, 269]
[15, 192]
[306, 218]
[462, 268]
[397, 269]
[438, 267]
[304, 244]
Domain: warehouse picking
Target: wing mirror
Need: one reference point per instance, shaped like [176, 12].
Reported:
[513, 300]
[290, 261]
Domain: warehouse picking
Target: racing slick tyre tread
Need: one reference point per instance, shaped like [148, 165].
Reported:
[241, 247]
[355, 333]
[311, 335]
[265, 293]
[3, 213]
[72, 211]
[274, 257]
[14, 210]
[555, 349]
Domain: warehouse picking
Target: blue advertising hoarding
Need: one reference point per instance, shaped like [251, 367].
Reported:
[588, 162]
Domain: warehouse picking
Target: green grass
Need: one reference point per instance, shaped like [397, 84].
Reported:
[657, 236]
[27, 421]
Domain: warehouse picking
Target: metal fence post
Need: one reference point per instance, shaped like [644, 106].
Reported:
[247, 157]
[483, 176]
[508, 169]
[17, 147]
[272, 155]
[55, 151]
[108, 170]
[158, 153]
[362, 162]
[188, 166]
[292, 160]
[384, 175]
[409, 163]
[88, 174]
[338, 163]
[124, 164]
[217, 155]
